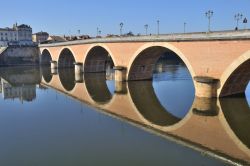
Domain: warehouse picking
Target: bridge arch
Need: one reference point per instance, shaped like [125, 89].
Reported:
[96, 58]
[141, 64]
[66, 58]
[236, 77]
[45, 57]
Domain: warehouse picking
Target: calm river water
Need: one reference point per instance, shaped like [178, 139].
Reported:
[57, 119]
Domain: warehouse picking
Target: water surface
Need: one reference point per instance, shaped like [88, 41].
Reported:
[43, 123]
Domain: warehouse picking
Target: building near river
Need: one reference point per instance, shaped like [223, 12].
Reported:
[40, 37]
[17, 35]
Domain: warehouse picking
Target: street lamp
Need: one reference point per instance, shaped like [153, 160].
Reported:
[185, 27]
[146, 29]
[158, 27]
[97, 31]
[237, 17]
[100, 32]
[245, 23]
[209, 14]
[121, 26]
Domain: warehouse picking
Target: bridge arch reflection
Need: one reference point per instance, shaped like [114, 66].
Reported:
[46, 74]
[236, 77]
[146, 102]
[237, 114]
[97, 87]
[152, 112]
[67, 78]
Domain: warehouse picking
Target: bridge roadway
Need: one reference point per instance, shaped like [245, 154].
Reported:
[218, 61]
[214, 127]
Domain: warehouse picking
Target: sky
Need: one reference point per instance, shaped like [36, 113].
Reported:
[66, 17]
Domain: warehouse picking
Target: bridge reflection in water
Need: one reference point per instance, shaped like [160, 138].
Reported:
[216, 127]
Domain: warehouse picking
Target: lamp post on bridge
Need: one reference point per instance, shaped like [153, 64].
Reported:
[158, 27]
[146, 29]
[237, 17]
[121, 26]
[97, 31]
[185, 27]
[245, 23]
[209, 15]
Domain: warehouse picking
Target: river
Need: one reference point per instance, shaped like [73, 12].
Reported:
[54, 120]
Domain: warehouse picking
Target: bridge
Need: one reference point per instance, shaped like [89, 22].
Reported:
[219, 62]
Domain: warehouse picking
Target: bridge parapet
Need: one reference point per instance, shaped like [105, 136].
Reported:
[198, 36]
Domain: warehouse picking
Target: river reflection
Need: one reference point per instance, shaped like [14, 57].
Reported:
[67, 78]
[237, 114]
[97, 87]
[46, 73]
[145, 100]
[57, 130]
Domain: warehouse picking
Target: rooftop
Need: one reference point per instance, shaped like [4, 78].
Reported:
[41, 33]
[23, 26]
[6, 29]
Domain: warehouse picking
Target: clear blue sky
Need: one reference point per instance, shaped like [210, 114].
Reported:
[67, 16]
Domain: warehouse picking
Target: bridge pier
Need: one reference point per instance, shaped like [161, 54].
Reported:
[78, 77]
[206, 87]
[53, 66]
[120, 73]
[78, 67]
[120, 87]
[205, 106]
[78, 72]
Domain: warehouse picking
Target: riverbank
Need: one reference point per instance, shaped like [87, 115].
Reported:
[19, 56]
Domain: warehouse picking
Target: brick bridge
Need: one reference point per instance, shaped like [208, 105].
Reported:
[219, 62]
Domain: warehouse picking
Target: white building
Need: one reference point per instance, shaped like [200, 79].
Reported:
[18, 35]
[8, 35]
